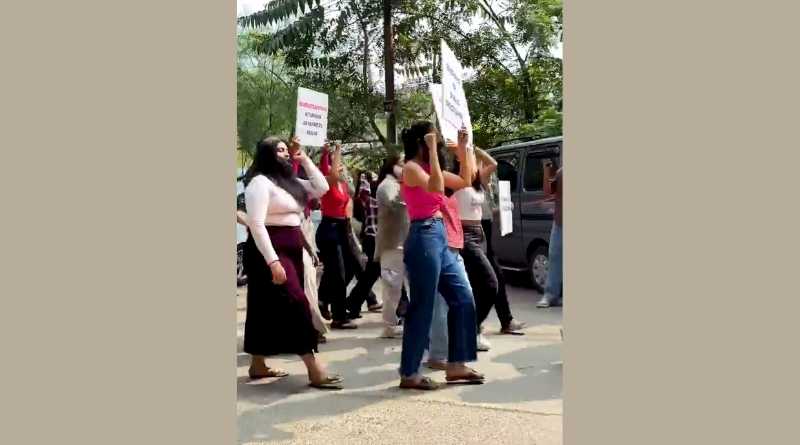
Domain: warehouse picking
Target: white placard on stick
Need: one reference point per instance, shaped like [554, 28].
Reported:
[312, 117]
[506, 208]
[454, 112]
[436, 96]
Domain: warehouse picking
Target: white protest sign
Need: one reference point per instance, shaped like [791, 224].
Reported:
[506, 208]
[312, 117]
[436, 96]
[454, 112]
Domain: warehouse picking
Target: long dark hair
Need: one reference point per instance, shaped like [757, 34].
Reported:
[266, 162]
[388, 167]
[476, 181]
[414, 141]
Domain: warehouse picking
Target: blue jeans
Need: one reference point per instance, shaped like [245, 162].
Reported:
[432, 266]
[553, 289]
[438, 347]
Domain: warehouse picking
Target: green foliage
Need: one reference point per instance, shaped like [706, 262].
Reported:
[334, 46]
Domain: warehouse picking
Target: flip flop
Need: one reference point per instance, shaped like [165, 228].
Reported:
[471, 378]
[272, 372]
[331, 382]
[425, 384]
[439, 366]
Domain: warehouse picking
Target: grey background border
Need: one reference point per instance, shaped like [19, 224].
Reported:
[118, 318]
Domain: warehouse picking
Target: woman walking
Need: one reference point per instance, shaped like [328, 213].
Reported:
[431, 264]
[338, 261]
[508, 325]
[371, 271]
[391, 234]
[481, 275]
[278, 314]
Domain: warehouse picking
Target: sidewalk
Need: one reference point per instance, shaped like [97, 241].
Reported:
[520, 403]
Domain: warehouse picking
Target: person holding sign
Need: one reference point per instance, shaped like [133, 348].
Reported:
[481, 275]
[278, 314]
[338, 260]
[432, 265]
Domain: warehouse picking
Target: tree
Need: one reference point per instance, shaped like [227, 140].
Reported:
[516, 79]
[330, 48]
[264, 96]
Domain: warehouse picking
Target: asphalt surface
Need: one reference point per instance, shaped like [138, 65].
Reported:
[520, 403]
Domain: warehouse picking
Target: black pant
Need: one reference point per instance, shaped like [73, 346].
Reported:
[480, 271]
[366, 278]
[501, 306]
[339, 265]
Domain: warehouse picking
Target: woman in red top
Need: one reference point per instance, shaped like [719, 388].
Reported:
[339, 263]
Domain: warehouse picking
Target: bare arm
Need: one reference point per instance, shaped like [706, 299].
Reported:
[436, 178]
[333, 176]
[488, 164]
[241, 217]
[466, 161]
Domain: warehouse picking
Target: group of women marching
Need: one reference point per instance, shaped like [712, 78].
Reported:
[424, 221]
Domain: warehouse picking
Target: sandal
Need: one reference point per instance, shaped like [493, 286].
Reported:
[425, 384]
[330, 382]
[472, 377]
[271, 372]
[437, 365]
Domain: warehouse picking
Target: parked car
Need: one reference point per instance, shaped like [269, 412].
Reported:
[522, 164]
[241, 231]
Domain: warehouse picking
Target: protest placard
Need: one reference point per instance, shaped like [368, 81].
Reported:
[312, 117]
[506, 208]
[454, 112]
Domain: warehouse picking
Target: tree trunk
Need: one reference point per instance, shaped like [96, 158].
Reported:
[388, 65]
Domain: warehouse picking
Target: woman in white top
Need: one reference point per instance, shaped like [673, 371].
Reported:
[279, 318]
[481, 275]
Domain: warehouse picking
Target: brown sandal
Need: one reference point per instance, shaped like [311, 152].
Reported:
[472, 377]
[330, 382]
[425, 384]
[437, 365]
[271, 372]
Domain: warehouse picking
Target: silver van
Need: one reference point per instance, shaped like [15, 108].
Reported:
[522, 164]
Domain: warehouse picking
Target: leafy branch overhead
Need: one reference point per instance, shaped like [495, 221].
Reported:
[336, 46]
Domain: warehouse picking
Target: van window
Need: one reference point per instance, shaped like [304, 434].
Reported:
[507, 169]
[533, 181]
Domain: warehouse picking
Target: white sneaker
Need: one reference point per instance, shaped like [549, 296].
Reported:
[544, 302]
[392, 332]
[483, 343]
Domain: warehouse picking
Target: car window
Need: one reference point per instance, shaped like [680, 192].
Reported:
[507, 168]
[533, 181]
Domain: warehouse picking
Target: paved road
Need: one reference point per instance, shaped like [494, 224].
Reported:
[519, 404]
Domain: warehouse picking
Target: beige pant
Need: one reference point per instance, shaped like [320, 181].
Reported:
[310, 278]
[393, 275]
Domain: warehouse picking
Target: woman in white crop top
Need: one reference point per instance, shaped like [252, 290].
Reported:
[279, 319]
[481, 275]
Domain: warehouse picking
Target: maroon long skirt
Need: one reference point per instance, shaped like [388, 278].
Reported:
[278, 316]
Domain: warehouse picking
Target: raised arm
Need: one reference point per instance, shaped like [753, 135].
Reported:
[466, 161]
[436, 178]
[334, 172]
[488, 164]
[316, 185]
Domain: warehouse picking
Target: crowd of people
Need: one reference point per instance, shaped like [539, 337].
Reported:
[421, 225]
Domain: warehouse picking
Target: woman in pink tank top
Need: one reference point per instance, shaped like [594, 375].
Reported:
[431, 264]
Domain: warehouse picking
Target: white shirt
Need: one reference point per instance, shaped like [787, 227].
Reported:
[269, 204]
[470, 203]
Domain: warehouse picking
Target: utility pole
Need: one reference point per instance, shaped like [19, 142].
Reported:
[388, 63]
